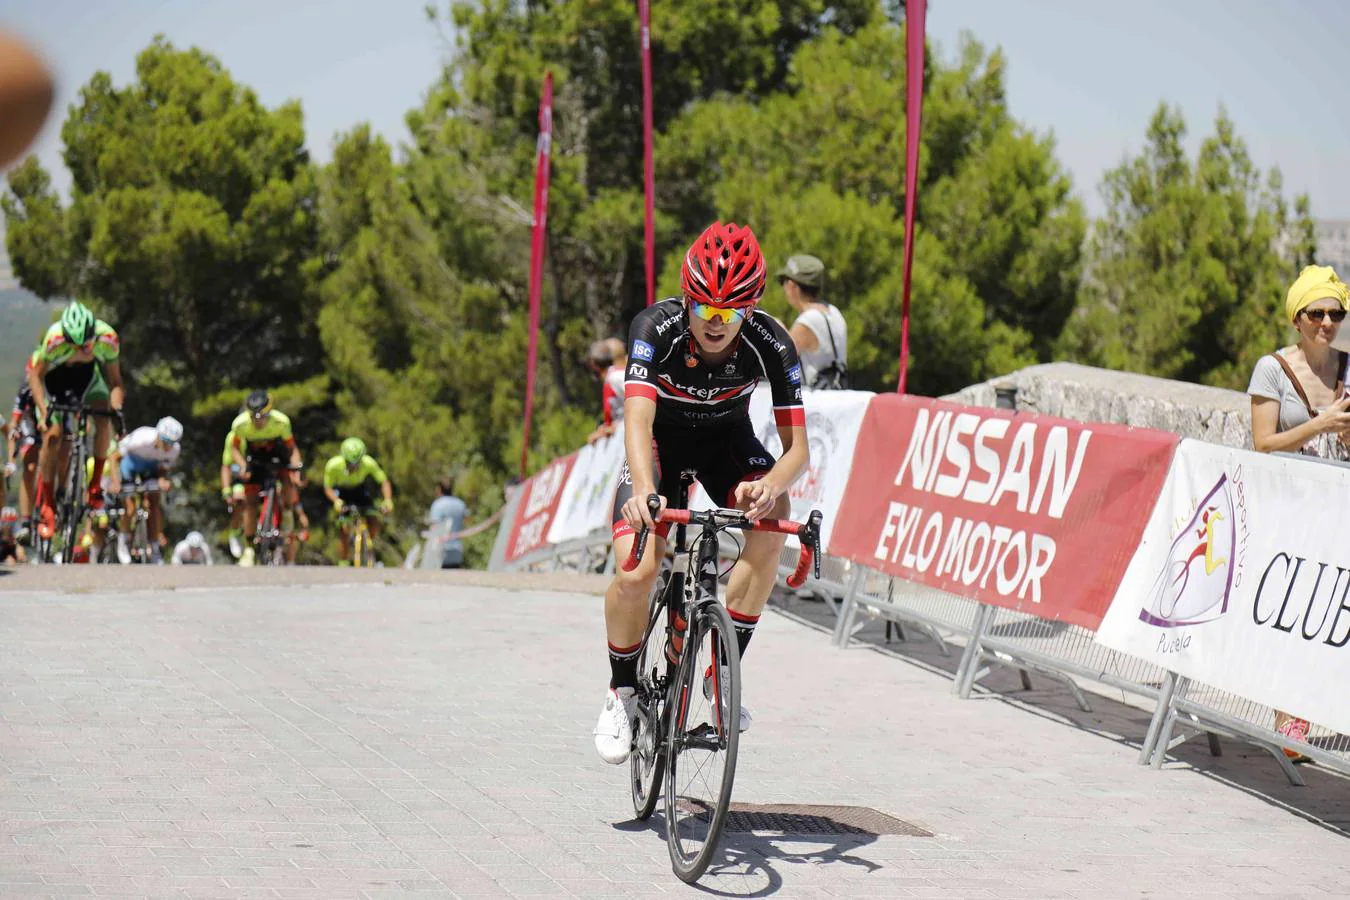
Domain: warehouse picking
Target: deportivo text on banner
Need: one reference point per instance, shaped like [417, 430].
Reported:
[538, 239]
[538, 504]
[1242, 580]
[1024, 511]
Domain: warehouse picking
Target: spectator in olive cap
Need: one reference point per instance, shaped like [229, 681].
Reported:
[820, 332]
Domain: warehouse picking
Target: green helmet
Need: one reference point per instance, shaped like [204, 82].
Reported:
[77, 323]
[353, 450]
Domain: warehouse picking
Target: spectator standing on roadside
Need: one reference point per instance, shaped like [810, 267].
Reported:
[1299, 402]
[448, 512]
[608, 359]
[819, 331]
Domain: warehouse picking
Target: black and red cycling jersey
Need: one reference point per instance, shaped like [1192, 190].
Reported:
[663, 366]
[23, 404]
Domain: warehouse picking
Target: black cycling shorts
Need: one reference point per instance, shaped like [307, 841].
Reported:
[358, 496]
[68, 384]
[721, 458]
[264, 459]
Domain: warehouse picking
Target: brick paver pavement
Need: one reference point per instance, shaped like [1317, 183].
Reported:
[432, 737]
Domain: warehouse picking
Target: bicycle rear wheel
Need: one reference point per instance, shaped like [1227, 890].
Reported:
[703, 737]
[648, 759]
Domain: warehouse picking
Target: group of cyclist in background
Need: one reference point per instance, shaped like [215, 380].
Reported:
[66, 511]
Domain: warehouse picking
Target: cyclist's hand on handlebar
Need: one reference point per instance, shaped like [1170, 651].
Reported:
[339, 506]
[756, 498]
[387, 507]
[636, 513]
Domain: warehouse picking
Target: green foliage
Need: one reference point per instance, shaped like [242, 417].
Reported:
[1189, 267]
[815, 169]
[387, 297]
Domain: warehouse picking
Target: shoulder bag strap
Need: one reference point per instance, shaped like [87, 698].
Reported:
[1293, 379]
[834, 349]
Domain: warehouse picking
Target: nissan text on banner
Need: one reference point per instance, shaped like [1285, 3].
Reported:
[1242, 581]
[538, 504]
[1025, 511]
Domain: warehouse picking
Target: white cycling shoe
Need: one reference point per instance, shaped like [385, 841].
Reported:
[614, 730]
[707, 695]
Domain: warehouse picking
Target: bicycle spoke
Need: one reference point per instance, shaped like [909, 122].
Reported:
[703, 743]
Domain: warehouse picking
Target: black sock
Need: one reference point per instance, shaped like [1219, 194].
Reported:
[745, 629]
[623, 663]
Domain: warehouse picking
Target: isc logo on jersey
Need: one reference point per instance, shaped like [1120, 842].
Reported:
[643, 350]
[794, 375]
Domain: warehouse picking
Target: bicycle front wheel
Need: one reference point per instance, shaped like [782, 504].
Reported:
[648, 759]
[703, 737]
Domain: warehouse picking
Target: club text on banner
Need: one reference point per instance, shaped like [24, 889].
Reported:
[540, 495]
[1019, 510]
[1242, 580]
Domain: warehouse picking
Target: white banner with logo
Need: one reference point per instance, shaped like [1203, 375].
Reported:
[1242, 580]
[833, 419]
[588, 498]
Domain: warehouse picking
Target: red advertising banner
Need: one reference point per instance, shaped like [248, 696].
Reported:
[1019, 510]
[538, 506]
[538, 236]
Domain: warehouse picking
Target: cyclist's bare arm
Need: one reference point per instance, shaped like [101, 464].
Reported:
[237, 452]
[37, 384]
[112, 373]
[794, 460]
[387, 490]
[639, 413]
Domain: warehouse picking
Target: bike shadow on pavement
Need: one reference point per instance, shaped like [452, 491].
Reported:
[746, 865]
[1324, 801]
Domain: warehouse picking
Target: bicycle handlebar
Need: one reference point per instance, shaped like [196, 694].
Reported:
[807, 533]
[80, 409]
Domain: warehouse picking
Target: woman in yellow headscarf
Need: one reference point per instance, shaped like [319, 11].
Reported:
[1299, 401]
[1298, 392]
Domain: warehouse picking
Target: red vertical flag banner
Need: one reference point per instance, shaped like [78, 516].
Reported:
[537, 241]
[914, 35]
[648, 172]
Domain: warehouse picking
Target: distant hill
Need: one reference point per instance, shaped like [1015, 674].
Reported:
[23, 318]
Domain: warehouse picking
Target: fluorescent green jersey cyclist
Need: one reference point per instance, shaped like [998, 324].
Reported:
[77, 361]
[261, 442]
[346, 482]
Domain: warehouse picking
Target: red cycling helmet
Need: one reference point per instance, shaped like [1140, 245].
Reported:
[724, 267]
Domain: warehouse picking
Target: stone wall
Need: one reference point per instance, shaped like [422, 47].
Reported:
[1087, 394]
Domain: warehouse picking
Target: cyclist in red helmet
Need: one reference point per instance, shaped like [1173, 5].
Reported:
[693, 362]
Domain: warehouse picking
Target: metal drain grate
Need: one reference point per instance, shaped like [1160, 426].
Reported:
[796, 818]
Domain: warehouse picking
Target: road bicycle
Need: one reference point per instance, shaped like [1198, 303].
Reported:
[362, 544]
[138, 543]
[71, 501]
[687, 724]
[270, 539]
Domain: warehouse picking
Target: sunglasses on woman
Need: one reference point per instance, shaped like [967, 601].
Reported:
[1316, 315]
[710, 313]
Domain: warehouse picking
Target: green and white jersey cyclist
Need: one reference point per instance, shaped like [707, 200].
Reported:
[77, 362]
[346, 483]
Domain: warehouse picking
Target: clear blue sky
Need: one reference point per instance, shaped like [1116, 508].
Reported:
[1090, 71]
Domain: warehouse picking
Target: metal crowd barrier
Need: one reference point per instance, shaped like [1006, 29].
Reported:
[996, 636]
